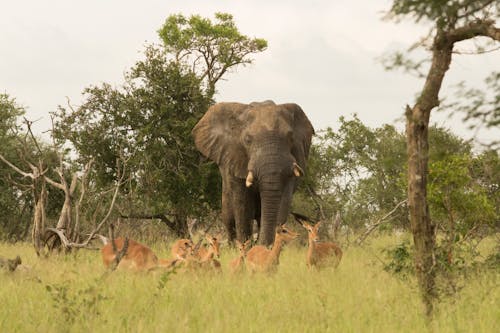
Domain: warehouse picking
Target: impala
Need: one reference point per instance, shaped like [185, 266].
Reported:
[236, 265]
[261, 259]
[207, 255]
[320, 253]
[137, 256]
[181, 248]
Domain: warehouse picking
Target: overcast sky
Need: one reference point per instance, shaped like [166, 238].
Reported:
[322, 54]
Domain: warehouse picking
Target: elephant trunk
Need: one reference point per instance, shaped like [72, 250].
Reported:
[276, 198]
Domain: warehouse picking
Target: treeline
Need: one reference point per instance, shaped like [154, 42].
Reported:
[362, 173]
[134, 139]
[357, 171]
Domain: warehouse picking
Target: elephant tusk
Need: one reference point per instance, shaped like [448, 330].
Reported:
[297, 170]
[249, 180]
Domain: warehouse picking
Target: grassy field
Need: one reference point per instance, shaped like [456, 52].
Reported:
[69, 294]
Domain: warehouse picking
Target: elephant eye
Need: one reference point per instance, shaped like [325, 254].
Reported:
[247, 139]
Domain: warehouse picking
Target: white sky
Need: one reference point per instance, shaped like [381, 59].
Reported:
[322, 54]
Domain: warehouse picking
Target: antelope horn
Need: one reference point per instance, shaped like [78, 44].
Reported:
[297, 170]
[300, 218]
[249, 180]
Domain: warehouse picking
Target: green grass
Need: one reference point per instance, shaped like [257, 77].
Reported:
[357, 297]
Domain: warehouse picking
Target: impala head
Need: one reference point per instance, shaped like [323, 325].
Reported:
[187, 246]
[243, 247]
[284, 234]
[214, 244]
[181, 248]
[312, 231]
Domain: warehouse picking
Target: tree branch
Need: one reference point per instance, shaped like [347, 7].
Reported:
[379, 222]
[477, 28]
[16, 169]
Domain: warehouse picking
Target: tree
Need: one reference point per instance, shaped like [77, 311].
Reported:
[150, 116]
[14, 203]
[479, 106]
[453, 22]
[356, 170]
[211, 49]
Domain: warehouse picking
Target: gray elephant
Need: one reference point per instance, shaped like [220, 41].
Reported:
[261, 149]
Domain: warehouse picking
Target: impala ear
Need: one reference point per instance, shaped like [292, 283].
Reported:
[217, 136]
[318, 225]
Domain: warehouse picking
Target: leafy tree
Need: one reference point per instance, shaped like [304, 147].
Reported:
[453, 21]
[15, 206]
[480, 107]
[148, 119]
[457, 202]
[210, 48]
[25, 162]
[356, 170]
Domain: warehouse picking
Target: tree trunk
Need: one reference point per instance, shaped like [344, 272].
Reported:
[417, 130]
[39, 219]
[421, 225]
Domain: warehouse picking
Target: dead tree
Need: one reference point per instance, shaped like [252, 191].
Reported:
[66, 234]
[38, 188]
[57, 238]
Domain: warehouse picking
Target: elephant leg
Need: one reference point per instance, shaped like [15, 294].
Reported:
[257, 215]
[243, 204]
[227, 213]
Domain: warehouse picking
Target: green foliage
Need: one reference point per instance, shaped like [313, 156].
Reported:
[444, 12]
[211, 48]
[149, 120]
[16, 191]
[480, 107]
[361, 172]
[357, 170]
[455, 199]
[13, 202]
[400, 260]
[75, 304]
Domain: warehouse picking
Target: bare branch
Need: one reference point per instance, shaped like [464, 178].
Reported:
[380, 221]
[16, 169]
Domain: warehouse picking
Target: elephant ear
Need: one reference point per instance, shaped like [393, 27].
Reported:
[302, 133]
[217, 136]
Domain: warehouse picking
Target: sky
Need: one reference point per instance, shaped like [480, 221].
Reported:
[321, 54]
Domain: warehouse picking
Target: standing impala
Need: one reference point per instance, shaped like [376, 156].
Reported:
[261, 259]
[319, 253]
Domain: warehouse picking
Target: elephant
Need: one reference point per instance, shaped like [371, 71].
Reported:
[261, 149]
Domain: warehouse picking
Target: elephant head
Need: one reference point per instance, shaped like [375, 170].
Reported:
[265, 146]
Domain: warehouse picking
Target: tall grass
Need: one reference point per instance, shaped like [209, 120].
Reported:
[69, 294]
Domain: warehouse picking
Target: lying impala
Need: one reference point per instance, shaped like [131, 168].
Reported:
[181, 248]
[319, 254]
[236, 265]
[137, 257]
[206, 256]
[192, 256]
[261, 259]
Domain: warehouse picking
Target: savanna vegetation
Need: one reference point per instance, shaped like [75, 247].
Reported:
[126, 156]
[68, 293]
